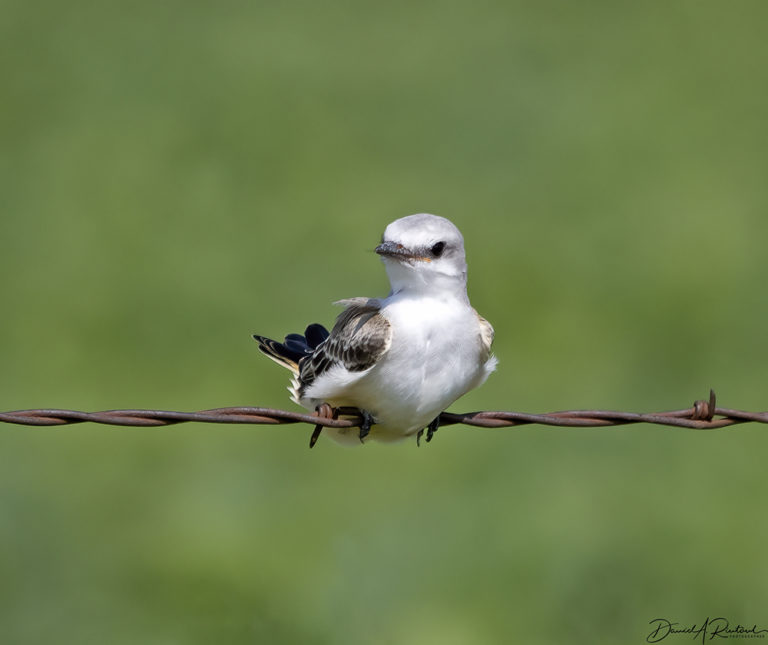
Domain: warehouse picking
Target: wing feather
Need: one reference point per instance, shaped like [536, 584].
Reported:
[486, 336]
[360, 337]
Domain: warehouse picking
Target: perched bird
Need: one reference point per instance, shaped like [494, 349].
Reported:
[401, 360]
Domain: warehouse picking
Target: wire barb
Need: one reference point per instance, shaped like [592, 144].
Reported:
[703, 415]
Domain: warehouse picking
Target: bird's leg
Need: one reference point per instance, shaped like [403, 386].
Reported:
[365, 426]
[418, 437]
[325, 411]
[432, 428]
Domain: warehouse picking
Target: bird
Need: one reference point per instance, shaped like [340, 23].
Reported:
[400, 360]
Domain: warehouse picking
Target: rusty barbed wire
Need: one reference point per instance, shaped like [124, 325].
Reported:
[702, 415]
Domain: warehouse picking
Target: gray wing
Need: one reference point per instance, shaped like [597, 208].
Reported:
[360, 337]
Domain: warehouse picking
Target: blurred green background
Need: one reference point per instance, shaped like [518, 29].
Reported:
[175, 176]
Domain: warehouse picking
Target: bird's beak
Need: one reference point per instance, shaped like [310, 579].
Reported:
[393, 250]
[399, 252]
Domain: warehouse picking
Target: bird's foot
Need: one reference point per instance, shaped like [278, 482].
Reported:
[324, 411]
[365, 426]
[431, 429]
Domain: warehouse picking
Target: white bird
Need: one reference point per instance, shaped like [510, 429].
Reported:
[403, 359]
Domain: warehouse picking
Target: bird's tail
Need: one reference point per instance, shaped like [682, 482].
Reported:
[294, 348]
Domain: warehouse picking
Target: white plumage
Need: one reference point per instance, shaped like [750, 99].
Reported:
[405, 358]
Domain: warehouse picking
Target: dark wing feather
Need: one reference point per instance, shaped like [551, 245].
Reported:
[359, 338]
[294, 348]
[315, 335]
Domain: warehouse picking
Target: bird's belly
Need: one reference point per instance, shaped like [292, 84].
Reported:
[435, 357]
[422, 374]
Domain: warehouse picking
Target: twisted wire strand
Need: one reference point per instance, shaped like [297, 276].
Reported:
[703, 415]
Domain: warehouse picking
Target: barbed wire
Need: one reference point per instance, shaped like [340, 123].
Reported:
[702, 415]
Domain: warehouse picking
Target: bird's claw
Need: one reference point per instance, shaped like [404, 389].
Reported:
[365, 426]
[431, 429]
[325, 411]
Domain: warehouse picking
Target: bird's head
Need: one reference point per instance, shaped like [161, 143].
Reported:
[424, 252]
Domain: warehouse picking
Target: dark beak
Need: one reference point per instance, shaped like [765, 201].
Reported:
[393, 250]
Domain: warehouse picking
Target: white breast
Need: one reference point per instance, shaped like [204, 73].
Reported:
[434, 358]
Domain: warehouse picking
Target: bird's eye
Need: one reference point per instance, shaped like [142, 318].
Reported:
[437, 249]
